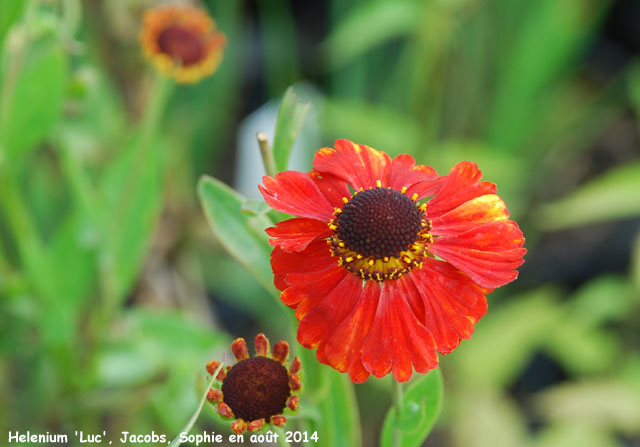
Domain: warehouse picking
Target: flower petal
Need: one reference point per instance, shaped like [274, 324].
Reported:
[333, 188]
[317, 256]
[341, 349]
[359, 165]
[330, 311]
[488, 253]
[453, 303]
[481, 210]
[296, 234]
[295, 193]
[397, 340]
[308, 289]
[421, 179]
[460, 186]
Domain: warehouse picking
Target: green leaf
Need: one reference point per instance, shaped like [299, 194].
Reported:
[63, 275]
[421, 405]
[187, 428]
[340, 412]
[338, 424]
[548, 40]
[35, 96]
[148, 343]
[10, 12]
[562, 435]
[611, 196]
[255, 207]
[507, 337]
[388, 19]
[96, 119]
[290, 118]
[580, 349]
[132, 189]
[598, 403]
[240, 233]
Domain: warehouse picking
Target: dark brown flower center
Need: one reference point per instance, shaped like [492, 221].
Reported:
[379, 222]
[180, 44]
[256, 388]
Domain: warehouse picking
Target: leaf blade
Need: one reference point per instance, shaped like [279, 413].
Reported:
[291, 116]
[420, 409]
[240, 233]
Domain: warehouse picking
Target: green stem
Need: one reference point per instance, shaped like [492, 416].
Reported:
[267, 154]
[187, 428]
[398, 396]
[154, 111]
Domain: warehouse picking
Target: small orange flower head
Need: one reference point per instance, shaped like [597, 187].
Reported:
[257, 390]
[181, 42]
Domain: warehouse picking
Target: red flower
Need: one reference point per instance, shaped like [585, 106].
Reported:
[380, 279]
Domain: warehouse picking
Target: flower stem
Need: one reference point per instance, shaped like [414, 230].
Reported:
[187, 428]
[398, 396]
[154, 111]
[267, 154]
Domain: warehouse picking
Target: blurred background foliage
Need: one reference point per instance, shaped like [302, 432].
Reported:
[114, 293]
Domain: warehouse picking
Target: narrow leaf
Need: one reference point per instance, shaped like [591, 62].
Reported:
[240, 233]
[34, 101]
[388, 19]
[610, 196]
[133, 190]
[334, 396]
[418, 414]
[187, 428]
[290, 118]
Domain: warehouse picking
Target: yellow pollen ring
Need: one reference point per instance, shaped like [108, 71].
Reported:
[378, 183]
[387, 267]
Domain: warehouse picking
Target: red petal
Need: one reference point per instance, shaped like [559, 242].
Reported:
[330, 311]
[308, 289]
[358, 165]
[332, 187]
[317, 256]
[357, 372]
[453, 303]
[421, 179]
[295, 193]
[341, 348]
[481, 210]
[488, 253]
[296, 234]
[460, 186]
[397, 339]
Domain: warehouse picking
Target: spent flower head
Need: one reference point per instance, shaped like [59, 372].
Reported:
[256, 390]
